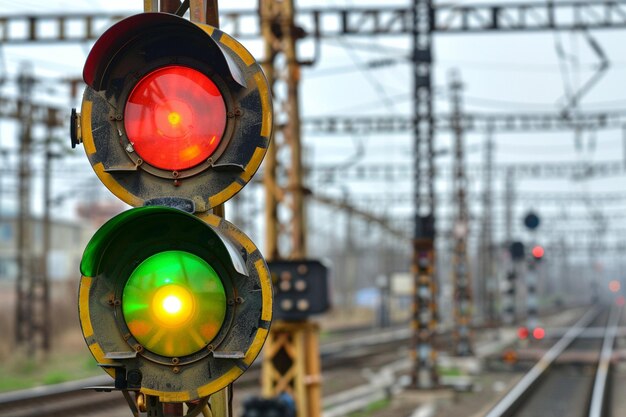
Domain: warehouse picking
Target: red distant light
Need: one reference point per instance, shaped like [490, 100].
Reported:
[539, 333]
[538, 252]
[175, 118]
[523, 333]
[620, 301]
[615, 285]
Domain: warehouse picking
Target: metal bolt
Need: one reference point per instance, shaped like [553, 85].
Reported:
[239, 300]
[138, 348]
[175, 361]
[176, 369]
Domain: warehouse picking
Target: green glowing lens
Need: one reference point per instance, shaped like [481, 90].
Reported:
[174, 303]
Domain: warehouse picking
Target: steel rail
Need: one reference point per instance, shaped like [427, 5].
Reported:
[600, 382]
[515, 395]
[334, 353]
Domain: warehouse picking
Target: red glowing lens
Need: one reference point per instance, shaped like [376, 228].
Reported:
[539, 333]
[175, 118]
[538, 252]
[522, 333]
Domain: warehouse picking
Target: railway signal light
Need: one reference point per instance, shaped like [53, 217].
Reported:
[176, 118]
[300, 289]
[172, 109]
[532, 221]
[523, 333]
[539, 333]
[516, 249]
[165, 293]
[538, 252]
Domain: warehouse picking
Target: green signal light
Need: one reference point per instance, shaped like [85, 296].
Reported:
[174, 303]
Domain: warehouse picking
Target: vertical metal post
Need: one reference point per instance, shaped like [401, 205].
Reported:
[486, 257]
[204, 11]
[510, 300]
[25, 292]
[46, 237]
[531, 280]
[291, 360]
[424, 312]
[267, 14]
[462, 305]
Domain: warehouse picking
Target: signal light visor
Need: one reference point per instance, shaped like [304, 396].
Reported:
[174, 303]
[175, 118]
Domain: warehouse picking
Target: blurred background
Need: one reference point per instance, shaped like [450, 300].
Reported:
[526, 122]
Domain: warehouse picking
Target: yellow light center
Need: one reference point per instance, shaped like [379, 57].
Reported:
[172, 304]
[173, 118]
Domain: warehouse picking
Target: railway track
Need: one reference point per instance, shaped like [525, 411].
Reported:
[578, 388]
[354, 350]
[70, 399]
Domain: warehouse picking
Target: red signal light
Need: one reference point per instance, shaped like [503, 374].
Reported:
[175, 118]
[539, 333]
[538, 252]
[615, 286]
[523, 333]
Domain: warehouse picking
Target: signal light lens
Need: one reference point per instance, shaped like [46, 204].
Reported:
[175, 118]
[523, 333]
[615, 286]
[538, 252]
[174, 303]
[539, 333]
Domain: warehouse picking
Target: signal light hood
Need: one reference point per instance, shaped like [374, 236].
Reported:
[147, 26]
[128, 237]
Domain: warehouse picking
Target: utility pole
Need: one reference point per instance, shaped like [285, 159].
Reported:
[350, 261]
[424, 311]
[26, 294]
[291, 361]
[44, 273]
[509, 302]
[487, 273]
[461, 275]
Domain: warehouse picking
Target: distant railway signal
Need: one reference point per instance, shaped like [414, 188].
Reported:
[538, 252]
[175, 302]
[300, 289]
[523, 333]
[539, 333]
[531, 221]
[517, 251]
